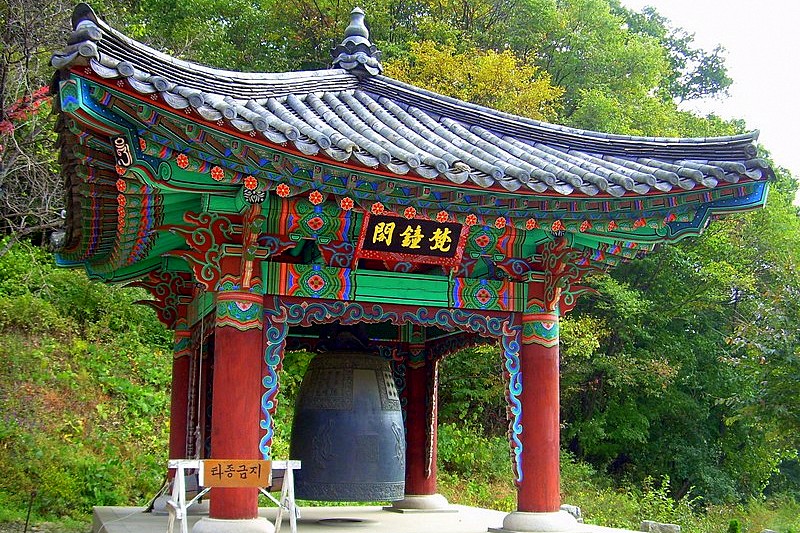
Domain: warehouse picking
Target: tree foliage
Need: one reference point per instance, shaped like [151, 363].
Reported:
[489, 78]
[694, 72]
[695, 353]
[30, 187]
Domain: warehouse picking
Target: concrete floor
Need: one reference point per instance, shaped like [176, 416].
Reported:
[461, 519]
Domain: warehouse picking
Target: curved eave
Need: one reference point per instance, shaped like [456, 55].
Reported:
[757, 199]
[385, 125]
[364, 141]
[160, 176]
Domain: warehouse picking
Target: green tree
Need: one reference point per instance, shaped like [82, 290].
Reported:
[695, 72]
[696, 363]
[488, 78]
[31, 193]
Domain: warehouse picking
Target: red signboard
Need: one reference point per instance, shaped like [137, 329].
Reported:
[412, 240]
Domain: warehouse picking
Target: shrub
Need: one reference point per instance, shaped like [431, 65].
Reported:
[465, 452]
[32, 315]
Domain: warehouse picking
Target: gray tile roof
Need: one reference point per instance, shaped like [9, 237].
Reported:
[354, 114]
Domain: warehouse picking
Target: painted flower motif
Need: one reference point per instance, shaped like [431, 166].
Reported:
[500, 223]
[315, 223]
[182, 161]
[471, 220]
[120, 170]
[121, 200]
[122, 185]
[346, 203]
[316, 283]
[250, 183]
[586, 225]
[315, 197]
[442, 216]
[410, 213]
[217, 173]
[120, 211]
[531, 223]
[558, 226]
[282, 190]
[377, 208]
[639, 223]
[483, 296]
[670, 218]
[142, 144]
[482, 240]
[612, 226]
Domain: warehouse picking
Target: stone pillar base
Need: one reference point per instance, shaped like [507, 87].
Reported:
[558, 522]
[216, 525]
[421, 503]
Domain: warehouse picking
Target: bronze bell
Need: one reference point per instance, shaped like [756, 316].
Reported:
[348, 430]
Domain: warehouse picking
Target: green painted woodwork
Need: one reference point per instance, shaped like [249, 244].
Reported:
[183, 164]
[242, 156]
[175, 264]
[372, 286]
[218, 203]
[191, 179]
[398, 288]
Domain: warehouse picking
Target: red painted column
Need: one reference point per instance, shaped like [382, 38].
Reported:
[421, 429]
[539, 491]
[236, 396]
[181, 382]
[179, 403]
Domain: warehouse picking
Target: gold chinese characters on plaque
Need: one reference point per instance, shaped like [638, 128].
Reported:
[236, 473]
[414, 240]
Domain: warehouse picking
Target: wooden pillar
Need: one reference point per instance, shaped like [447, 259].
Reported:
[421, 393]
[236, 397]
[539, 490]
[421, 429]
[181, 378]
[536, 431]
[179, 397]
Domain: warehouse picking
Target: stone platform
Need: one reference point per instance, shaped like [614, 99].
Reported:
[331, 519]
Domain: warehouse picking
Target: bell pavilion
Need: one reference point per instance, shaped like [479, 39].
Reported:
[345, 212]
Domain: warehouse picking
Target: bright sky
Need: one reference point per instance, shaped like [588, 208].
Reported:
[762, 41]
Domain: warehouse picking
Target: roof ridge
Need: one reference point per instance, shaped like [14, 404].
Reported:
[93, 38]
[731, 146]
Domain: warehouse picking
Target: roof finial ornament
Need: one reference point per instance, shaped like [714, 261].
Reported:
[356, 53]
[82, 43]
